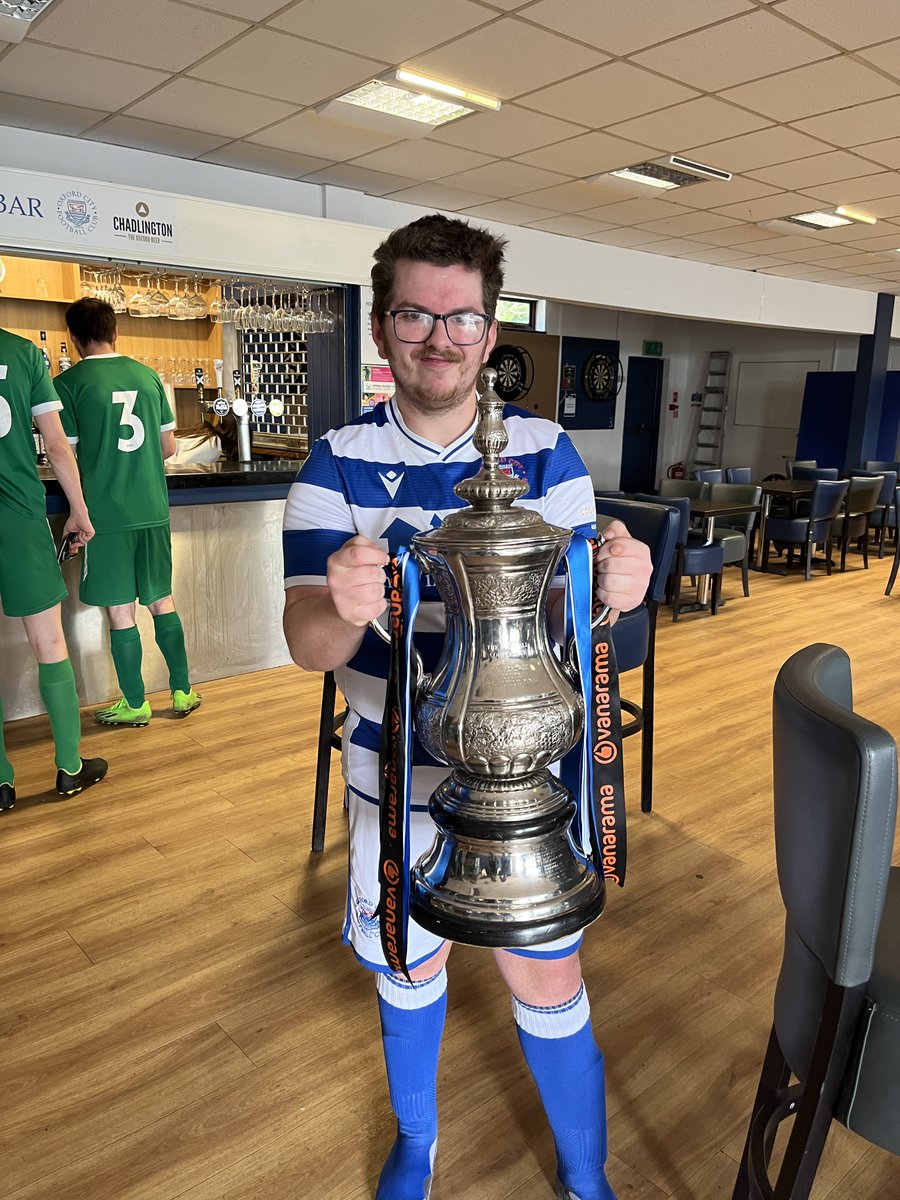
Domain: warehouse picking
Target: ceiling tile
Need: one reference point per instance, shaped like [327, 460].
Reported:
[575, 196]
[509, 212]
[288, 68]
[760, 263]
[25, 112]
[735, 235]
[608, 94]
[570, 226]
[210, 108]
[373, 183]
[781, 245]
[588, 154]
[246, 156]
[884, 207]
[762, 148]
[413, 27]
[819, 252]
[436, 195]
[798, 272]
[716, 193]
[852, 126]
[506, 133]
[248, 10]
[31, 69]
[621, 29]
[736, 51]
[630, 212]
[161, 139]
[886, 56]
[310, 133]
[783, 204]
[672, 247]
[161, 34]
[887, 151]
[822, 87]
[689, 223]
[685, 124]
[626, 238]
[422, 160]
[821, 168]
[492, 59]
[857, 191]
[719, 257]
[504, 179]
[882, 241]
[871, 22]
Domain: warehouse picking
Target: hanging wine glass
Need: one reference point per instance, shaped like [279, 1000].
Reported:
[158, 301]
[195, 304]
[216, 308]
[327, 317]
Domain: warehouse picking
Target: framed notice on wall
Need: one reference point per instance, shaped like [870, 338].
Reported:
[377, 384]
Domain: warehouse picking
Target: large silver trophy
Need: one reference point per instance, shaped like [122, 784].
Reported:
[498, 708]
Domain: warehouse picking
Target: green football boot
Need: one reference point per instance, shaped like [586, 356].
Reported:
[121, 713]
[186, 702]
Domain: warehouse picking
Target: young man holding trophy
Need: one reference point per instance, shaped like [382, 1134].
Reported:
[364, 491]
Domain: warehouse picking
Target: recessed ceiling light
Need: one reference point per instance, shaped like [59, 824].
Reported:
[817, 220]
[406, 103]
[652, 174]
[16, 17]
[678, 160]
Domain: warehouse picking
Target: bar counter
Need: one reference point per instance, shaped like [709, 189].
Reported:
[227, 583]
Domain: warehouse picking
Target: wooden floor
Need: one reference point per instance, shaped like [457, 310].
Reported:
[179, 1018]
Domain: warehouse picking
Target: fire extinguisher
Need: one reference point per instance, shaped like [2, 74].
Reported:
[676, 471]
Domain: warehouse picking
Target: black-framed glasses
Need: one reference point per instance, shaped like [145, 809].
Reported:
[463, 328]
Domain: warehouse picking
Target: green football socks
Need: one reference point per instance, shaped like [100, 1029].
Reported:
[57, 686]
[127, 657]
[6, 768]
[170, 639]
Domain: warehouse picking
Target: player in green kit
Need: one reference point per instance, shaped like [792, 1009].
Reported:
[31, 585]
[116, 413]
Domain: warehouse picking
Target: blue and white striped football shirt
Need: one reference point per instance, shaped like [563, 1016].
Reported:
[375, 477]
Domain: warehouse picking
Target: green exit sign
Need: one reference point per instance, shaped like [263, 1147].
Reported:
[653, 349]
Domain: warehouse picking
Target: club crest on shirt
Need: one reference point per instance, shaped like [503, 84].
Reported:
[364, 917]
[513, 468]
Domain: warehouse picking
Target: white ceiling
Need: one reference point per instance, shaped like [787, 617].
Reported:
[799, 98]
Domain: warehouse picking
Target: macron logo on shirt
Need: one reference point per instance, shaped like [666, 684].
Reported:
[391, 481]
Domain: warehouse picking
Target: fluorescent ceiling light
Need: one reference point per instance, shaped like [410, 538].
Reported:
[652, 174]
[16, 17]
[421, 82]
[634, 176]
[677, 160]
[854, 214]
[818, 220]
[406, 103]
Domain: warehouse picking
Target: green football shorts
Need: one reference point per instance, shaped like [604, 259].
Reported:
[30, 578]
[120, 568]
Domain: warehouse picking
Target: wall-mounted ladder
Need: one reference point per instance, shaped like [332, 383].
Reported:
[710, 438]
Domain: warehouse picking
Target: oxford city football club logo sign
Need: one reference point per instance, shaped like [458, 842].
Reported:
[77, 212]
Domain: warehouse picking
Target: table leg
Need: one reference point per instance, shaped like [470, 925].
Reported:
[761, 535]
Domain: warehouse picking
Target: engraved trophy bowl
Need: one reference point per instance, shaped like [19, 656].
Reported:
[498, 709]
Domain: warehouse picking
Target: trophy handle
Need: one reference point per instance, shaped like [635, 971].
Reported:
[570, 659]
[377, 627]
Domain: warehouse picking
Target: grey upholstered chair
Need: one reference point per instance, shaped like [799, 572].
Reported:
[736, 533]
[738, 474]
[853, 522]
[692, 488]
[836, 1023]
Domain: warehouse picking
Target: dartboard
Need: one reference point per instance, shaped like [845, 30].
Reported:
[515, 372]
[602, 377]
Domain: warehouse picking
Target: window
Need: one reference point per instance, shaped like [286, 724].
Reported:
[517, 312]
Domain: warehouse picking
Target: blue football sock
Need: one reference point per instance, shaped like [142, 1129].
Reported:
[412, 1022]
[567, 1066]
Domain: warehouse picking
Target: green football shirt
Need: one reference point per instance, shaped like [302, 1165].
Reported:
[25, 392]
[114, 410]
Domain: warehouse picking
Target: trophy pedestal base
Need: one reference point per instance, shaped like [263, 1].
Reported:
[503, 869]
